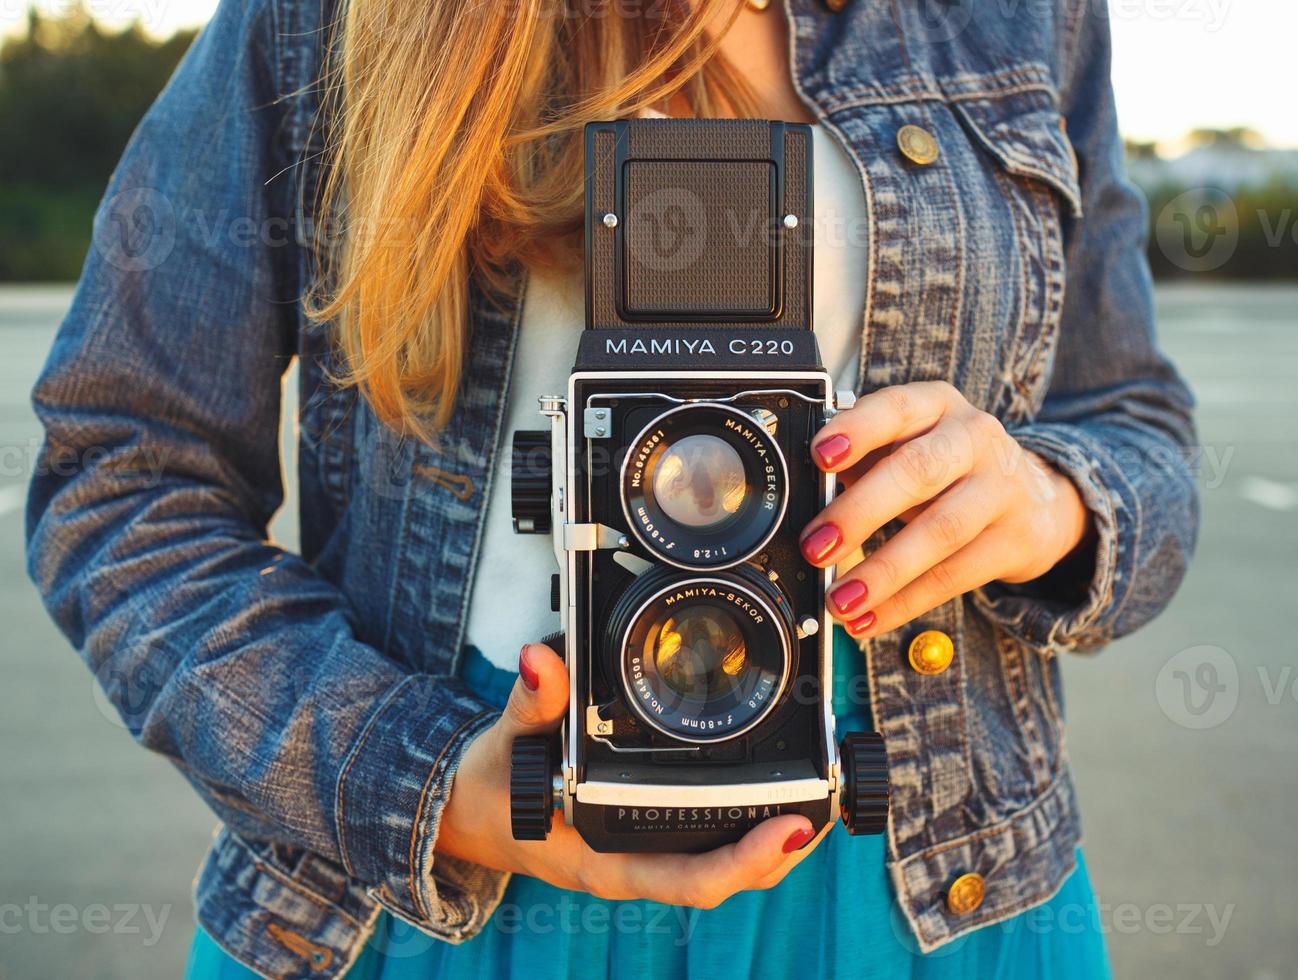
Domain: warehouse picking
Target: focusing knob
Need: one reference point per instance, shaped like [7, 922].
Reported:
[531, 787]
[863, 801]
[530, 482]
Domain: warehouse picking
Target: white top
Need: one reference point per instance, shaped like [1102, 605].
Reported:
[510, 604]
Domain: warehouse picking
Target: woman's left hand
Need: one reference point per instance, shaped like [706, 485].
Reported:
[978, 506]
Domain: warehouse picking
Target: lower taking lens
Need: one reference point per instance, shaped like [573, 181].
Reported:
[701, 654]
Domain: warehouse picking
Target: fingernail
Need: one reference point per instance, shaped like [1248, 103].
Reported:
[848, 596]
[817, 545]
[798, 838]
[833, 450]
[531, 679]
[858, 626]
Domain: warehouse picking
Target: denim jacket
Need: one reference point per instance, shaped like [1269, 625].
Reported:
[313, 699]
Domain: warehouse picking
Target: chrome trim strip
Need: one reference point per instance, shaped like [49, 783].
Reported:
[723, 794]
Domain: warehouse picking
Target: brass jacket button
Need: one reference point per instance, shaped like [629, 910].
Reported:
[917, 145]
[965, 894]
[835, 5]
[931, 652]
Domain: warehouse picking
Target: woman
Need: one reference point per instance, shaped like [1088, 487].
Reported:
[1017, 480]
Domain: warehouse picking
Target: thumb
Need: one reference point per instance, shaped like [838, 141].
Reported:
[540, 695]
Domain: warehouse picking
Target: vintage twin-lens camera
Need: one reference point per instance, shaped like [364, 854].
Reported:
[675, 477]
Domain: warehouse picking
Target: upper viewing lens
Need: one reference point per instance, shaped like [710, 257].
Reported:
[699, 481]
[704, 485]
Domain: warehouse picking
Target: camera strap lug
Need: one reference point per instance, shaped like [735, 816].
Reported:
[593, 537]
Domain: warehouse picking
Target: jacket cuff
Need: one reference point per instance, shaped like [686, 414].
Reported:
[1078, 619]
[391, 794]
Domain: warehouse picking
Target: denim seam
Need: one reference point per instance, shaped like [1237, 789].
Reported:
[1011, 205]
[1055, 273]
[1052, 796]
[340, 820]
[1009, 911]
[470, 572]
[276, 40]
[292, 884]
[419, 875]
[1074, 458]
[405, 527]
[1020, 79]
[1104, 607]
[1014, 675]
[1001, 827]
[960, 249]
[962, 703]
[1054, 709]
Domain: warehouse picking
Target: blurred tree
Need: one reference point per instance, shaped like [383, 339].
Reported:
[70, 96]
[1140, 151]
[1236, 136]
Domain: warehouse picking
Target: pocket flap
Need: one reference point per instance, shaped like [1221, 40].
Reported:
[1025, 133]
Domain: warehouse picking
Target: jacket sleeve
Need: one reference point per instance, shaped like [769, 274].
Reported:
[1117, 417]
[159, 472]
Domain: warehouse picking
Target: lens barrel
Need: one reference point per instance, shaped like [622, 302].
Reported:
[704, 486]
[701, 658]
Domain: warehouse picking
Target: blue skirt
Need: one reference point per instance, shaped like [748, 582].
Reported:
[833, 915]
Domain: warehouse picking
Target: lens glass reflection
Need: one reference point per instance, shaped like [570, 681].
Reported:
[700, 653]
[699, 481]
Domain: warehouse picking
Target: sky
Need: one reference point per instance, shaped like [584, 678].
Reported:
[1178, 64]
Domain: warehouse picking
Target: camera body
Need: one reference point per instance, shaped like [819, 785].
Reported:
[675, 478]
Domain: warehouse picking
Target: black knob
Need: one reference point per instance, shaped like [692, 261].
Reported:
[531, 787]
[530, 482]
[863, 801]
[555, 593]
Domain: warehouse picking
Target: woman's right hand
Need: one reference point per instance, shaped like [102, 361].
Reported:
[475, 823]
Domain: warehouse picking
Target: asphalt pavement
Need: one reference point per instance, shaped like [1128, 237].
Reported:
[1184, 737]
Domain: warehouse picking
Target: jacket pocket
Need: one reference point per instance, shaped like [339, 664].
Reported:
[1026, 140]
[1028, 137]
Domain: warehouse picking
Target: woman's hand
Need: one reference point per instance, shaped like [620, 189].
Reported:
[978, 506]
[475, 823]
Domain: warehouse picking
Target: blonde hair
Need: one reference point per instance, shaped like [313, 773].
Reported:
[455, 149]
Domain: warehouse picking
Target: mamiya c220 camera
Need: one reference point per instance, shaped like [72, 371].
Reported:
[674, 478]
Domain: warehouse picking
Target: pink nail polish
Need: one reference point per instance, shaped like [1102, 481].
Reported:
[798, 838]
[531, 679]
[817, 545]
[848, 595]
[859, 626]
[833, 450]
